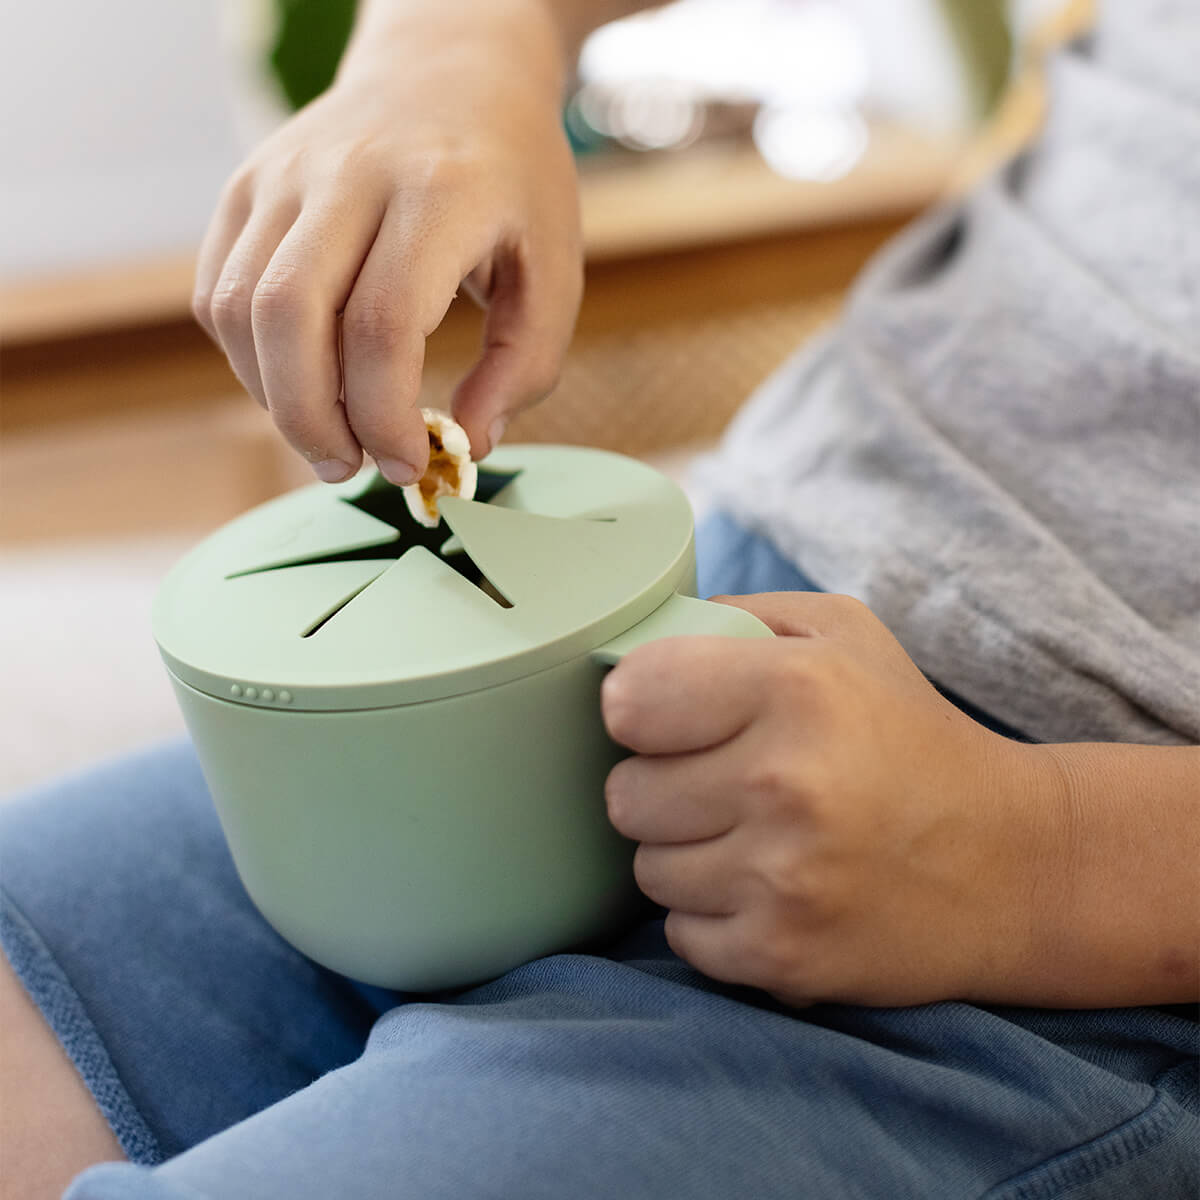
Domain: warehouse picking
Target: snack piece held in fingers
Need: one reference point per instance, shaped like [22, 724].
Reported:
[450, 472]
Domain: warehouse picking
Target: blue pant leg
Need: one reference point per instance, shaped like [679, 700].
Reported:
[623, 1073]
[732, 561]
[631, 1077]
[122, 914]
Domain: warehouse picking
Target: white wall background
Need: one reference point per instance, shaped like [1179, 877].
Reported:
[116, 132]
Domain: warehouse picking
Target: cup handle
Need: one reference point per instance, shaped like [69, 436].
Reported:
[682, 615]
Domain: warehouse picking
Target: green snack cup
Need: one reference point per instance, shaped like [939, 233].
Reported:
[401, 728]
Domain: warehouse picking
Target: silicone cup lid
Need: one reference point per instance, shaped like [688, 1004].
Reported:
[333, 598]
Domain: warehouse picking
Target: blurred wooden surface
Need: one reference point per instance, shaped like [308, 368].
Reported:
[146, 428]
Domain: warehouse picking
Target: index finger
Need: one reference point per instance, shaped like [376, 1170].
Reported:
[681, 694]
[233, 211]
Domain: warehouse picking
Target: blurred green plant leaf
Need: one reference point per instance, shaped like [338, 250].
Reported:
[309, 39]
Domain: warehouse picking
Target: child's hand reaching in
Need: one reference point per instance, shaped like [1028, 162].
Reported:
[437, 160]
[823, 824]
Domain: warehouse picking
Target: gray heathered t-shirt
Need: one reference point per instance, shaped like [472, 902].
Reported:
[998, 449]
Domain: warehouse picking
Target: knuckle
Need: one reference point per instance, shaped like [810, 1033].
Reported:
[809, 672]
[780, 787]
[849, 612]
[783, 974]
[429, 181]
[231, 302]
[792, 669]
[374, 323]
[846, 603]
[763, 961]
[770, 778]
[238, 192]
[799, 897]
[834, 676]
[781, 870]
[202, 306]
[447, 171]
[278, 299]
[358, 162]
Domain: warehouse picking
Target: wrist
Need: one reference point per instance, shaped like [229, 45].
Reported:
[1022, 868]
[521, 37]
[1100, 863]
[1061, 944]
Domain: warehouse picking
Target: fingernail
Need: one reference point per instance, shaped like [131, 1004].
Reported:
[496, 431]
[332, 470]
[397, 472]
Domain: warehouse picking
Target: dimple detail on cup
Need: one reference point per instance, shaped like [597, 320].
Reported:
[261, 695]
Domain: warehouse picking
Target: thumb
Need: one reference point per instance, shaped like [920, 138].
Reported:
[808, 614]
[529, 323]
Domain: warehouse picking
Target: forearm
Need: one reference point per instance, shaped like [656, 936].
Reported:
[1112, 907]
[544, 34]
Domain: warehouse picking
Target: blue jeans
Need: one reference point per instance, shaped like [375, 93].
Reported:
[230, 1066]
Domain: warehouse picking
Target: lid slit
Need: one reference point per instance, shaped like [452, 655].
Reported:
[380, 552]
[385, 503]
[337, 608]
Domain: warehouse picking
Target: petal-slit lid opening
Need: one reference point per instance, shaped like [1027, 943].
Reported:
[582, 543]
[283, 534]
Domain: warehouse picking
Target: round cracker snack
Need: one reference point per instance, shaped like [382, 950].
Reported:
[450, 472]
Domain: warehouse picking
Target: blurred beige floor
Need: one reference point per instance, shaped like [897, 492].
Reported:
[81, 676]
[82, 679]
